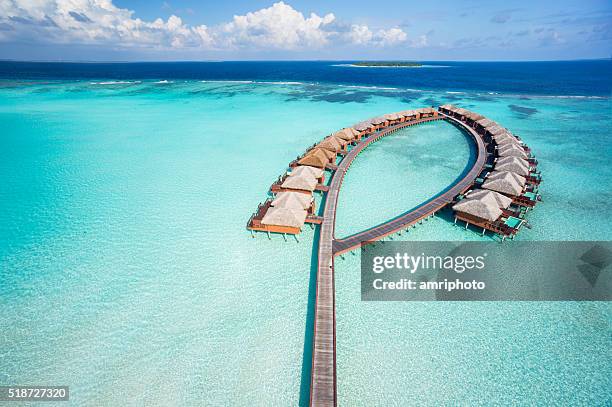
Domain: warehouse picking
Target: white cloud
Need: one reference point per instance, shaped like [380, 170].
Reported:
[100, 22]
[362, 35]
[392, 36]
[278, 26]
[359, 34]
[97, 22]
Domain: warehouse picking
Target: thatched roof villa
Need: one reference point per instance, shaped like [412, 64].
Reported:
[364, 127]
[307, 171]
[409, 115]
[502, 201]
[347, 134]
[506, 186]
[300, 184]
[318, 157]
[293, 200]
[484, 209]
[512, 150]
[448, 109]
[513, 164]
[330, 144]
[427, 112]
[284, 220]
[502, 174]
[379, 122]
[392, 118]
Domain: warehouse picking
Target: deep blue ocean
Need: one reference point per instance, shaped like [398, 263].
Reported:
[571, 78]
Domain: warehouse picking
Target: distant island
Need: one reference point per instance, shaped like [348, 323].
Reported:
[388, 64]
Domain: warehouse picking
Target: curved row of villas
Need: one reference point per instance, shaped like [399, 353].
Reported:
[292, 203]
[507, 188]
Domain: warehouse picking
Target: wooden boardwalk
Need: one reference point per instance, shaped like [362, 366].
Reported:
[323, 373]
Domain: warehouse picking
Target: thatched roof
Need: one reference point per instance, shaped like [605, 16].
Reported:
[505, 138]
[475, 116]
[284, 217]
[292, 200]
[502, 201]
[347, 134]
[343, 143]
[515, 166]
[511, 150]
[303, 183]
[306, 170]
[505, 174]
[448, 107]
[462, 111]
[485, 209]
[408, 113]
[330, 144]
[505, 184]
[504, 160]
[496, 130]
[363, 126]
[427, 110]
[317, 157]
[378, 120]
[391, 116]
[485, 122]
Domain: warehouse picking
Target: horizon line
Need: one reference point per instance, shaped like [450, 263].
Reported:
[292, 60]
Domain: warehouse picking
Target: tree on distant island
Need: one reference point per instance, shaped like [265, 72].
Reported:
[387, 64]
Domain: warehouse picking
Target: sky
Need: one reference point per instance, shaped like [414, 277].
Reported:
[171, 30]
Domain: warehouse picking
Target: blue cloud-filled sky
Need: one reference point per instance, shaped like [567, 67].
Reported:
[134, 30]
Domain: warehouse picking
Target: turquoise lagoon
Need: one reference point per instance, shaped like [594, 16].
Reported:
[126, 271]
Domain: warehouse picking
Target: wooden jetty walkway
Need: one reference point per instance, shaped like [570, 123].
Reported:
[323, 374]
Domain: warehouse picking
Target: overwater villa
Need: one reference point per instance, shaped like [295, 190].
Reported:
[348, 134]
[512, 171]
[393, 118]
[504, 187]
[513, 164]
[308, 171]
[294, 200]
[409, 115]
[472, 118]
[299, 183]
[332, 144]
[364, 128]
[284, 220]
[379, 122]
[488, 210]
[482, 124]
[318, 157]
[512, 185]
